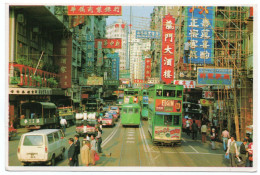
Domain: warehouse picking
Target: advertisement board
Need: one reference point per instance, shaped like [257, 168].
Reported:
[95, 10]
[95, 81]
[186, 83]
[162, 105]
[109, 43]
[165, 133]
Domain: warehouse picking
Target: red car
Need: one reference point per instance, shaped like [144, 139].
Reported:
[116, 109]
[108, 120]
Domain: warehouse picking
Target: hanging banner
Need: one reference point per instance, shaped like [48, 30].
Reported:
[147, 73]
[214, 76]
[199, 30]
[95, 10]
[147, 34]
[99, 54]
[168, 39]
[185, 83]
[110, 43]
[153, 81]
[168, 105]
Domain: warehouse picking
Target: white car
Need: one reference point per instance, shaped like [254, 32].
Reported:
[41, 146]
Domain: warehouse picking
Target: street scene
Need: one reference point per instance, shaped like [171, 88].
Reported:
[131, 86]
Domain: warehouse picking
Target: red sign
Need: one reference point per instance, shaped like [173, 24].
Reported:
[95, 10]
[138, 81]
[109, 43]
[185, 83]
[168, 37]
[76, 20]
[84, 95]
[164, 105]
[208, 94]
[147, 73]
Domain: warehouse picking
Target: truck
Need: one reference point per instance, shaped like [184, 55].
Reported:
[68, 114]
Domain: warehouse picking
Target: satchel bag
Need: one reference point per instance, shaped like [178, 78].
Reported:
[96, 157]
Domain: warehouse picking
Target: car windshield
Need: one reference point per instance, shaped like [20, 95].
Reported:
[33, 140]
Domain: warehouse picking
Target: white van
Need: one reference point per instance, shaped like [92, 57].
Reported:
[41, 146]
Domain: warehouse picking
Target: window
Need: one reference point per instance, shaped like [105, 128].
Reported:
[158, 92]
[136, 110]
[56, 136]
[159, 120]
[179, 93]
[131, 110]
[168, 120]
[50, 138]
[169, 93]
[33, 140]
[176, 120]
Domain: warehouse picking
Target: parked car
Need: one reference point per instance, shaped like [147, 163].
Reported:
[114, 114]
[41, 146]
[108, 120]
[116, 109]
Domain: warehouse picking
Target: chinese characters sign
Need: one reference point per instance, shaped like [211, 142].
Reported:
[185, 83]
[95, 81]
[205, 102]
[109, 43]
[208, 94]
[95, 10]
[167, 133]
[168, 37]
[199, 30]
[147, 69]
[138, 81]
[111, 82]
[213, 76]
[99, 54]
[115, 65]
[162, 105]
[147, 34]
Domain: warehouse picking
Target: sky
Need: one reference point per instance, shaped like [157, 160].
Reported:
[140, 16]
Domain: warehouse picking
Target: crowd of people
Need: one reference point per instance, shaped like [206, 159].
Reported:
[88, 152]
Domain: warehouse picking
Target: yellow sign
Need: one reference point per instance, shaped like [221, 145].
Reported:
[205, 102]
[95, 81]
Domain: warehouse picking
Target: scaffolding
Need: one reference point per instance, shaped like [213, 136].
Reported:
[232, 32]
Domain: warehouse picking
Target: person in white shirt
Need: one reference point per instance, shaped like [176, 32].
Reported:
[63, 123]
[232, 151]
[188, 127]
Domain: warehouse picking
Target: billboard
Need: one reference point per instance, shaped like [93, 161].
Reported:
[168, 38]
[94, 81]
[95, 10]
[147, 34]
[147, 68]
[214, 76]
[109, 43]
[199, 30]
[162, 105]
[186, 83]
[99, 54]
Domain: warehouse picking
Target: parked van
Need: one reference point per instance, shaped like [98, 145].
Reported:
[41, 146]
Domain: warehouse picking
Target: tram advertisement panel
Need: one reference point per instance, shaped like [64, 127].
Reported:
[168, 105]
[163, 132]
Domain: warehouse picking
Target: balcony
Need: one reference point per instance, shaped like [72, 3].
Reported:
[24, 77]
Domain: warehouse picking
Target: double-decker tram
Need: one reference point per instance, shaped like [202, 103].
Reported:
[165, 113]
[132, 92]
[130, 114]
[144, 104]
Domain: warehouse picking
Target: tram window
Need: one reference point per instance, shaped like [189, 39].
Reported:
[176, 120]
[136, 111]
[145, 93]
[168, 120]
[159, 120]
[169, 93]
[179, 94]
[158, 92]
[125, 111]
[131, 110]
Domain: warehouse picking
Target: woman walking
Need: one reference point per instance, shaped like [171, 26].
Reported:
[93, 149]
[85, 153]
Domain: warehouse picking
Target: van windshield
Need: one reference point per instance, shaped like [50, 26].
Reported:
[33, 140]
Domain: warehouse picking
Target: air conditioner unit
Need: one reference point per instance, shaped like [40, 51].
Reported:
[20, 18]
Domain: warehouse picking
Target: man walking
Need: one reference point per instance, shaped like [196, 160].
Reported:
[99, 139]
[186, 50]
[243, 152]
[194, 128]
[71, 152]
[232, 151]
[225, 136]
[63, 123]
[203, 132]
[77, 150]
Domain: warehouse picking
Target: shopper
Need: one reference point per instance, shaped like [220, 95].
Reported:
[93, 149]
[213, 139]
[85, 153]
[99, 139]
[232, 151]
[243, 152]
[71, 152]
[225, 137]
[63, 123]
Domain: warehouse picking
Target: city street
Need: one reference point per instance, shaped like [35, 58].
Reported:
[132, 146]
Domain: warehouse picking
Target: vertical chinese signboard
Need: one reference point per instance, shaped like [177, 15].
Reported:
[95, 10]
[199, 30]
[99, 54]
[65, 63]
[90, 53]
[115, 66]
[147, 73]
[168, 37]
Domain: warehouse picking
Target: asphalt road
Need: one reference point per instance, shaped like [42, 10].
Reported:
[132, 146]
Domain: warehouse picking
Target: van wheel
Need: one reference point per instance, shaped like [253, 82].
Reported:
[25, 164]
[52, 161]
[62, 154]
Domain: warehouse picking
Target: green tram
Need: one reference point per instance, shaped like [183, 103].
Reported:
[144, 104]
[132, 92]
[39, 115]
[165, 113]
[130, 114]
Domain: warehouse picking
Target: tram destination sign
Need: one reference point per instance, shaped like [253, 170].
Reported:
[163, 105]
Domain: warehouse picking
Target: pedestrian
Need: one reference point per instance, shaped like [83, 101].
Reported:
[250, 154]
[99, 139]
[188, 127]
[213, 139]
[203, 133]
[243, 152]
[194, 128]
[225, 137]
[71, 152]
[232, 151]
[186, 50]
[93, 148]
[63, 123]
[77, 150]
[87, 137]
[85, 153]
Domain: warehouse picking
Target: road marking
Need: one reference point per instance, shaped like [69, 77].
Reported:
[130, 138]
[110, 136]
[128, 141]
[193, 149]
[183, 140]
[170, 152]
[156, 157]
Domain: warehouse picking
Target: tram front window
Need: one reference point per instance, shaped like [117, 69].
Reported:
[179, 94]
[169, 93]
[158, 92]
[176, 120]
[136, 111]
[168, 120]
[131, 110]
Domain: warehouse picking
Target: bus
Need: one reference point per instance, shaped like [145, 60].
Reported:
[130, 114]
[132, 92]
[165, 113]
[39, 115]
[144, 104]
